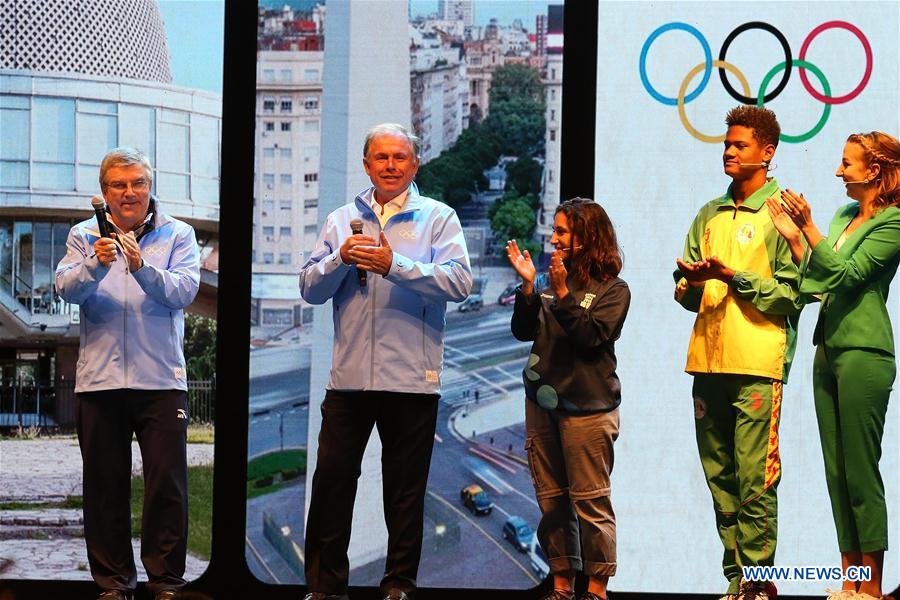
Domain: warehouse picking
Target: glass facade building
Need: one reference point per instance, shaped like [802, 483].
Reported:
[56, 130]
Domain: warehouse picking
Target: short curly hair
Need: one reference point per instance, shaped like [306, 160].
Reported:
[761, 120]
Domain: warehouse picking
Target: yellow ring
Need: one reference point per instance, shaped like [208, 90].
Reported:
[720, 64]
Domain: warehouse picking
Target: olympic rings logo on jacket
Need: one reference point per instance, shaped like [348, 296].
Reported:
[826, 98]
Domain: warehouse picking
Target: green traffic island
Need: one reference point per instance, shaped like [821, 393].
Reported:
[270, 472]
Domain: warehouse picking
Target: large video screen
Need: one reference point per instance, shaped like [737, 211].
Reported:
[470, 78]
[662, 96]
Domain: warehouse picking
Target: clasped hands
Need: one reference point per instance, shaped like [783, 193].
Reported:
[105, 249]
[698, 272]
[362, 250]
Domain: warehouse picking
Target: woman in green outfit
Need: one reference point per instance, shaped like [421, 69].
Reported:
[850, 271]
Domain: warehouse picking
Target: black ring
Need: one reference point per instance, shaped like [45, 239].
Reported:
[787, 58]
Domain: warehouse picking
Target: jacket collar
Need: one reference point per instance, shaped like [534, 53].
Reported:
[154, 220]
[840, 222]
[756, 200]
[159, 217]
[413, 200]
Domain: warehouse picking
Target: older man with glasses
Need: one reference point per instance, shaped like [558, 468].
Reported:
[132, 288]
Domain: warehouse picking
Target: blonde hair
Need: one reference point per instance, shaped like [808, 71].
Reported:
[884, 150]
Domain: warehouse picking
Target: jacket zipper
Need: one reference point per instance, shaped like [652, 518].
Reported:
[125, 326]
[372, 321]
[372, 339]
[372, 312]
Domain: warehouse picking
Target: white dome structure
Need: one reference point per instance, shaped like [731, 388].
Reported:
[110, 38]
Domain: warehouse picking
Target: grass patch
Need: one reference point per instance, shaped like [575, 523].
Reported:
[493, 361]
[200, 496]
[270, 472]
[14, 434]
[201, 433]
[69, 502]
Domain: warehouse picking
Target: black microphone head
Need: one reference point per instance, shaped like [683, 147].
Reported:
[356, 226]
[100, 212]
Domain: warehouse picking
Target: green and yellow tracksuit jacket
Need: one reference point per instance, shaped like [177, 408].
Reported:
[747, 326]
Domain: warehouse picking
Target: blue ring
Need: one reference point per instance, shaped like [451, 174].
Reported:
[707, 71]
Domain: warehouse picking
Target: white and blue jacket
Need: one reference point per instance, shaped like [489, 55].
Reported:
[389, 335]
[132, 324]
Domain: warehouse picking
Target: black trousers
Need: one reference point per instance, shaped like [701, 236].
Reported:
[406, 424]
[105, 421]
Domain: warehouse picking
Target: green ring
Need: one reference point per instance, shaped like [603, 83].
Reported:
[796, 139]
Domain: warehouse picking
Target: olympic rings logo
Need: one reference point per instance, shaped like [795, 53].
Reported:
[762, 94]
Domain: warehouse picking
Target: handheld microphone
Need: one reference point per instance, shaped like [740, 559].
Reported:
[100, 211]
[356, 226]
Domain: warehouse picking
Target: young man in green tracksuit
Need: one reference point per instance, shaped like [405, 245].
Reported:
[736, 273]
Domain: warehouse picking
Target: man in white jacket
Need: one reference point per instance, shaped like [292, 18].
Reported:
[131, 377]
[387, 358]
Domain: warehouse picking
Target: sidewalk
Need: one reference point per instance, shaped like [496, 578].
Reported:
[66, 558]
[46, 543]
[478, 419]
[48, 470]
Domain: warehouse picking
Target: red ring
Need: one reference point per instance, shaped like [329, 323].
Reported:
[868, 49]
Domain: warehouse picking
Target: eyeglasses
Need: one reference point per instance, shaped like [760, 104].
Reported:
[138, 186]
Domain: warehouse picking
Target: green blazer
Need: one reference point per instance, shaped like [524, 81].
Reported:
[854, 281]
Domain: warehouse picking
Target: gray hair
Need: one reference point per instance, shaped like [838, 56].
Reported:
[124, 156]
[392, 129]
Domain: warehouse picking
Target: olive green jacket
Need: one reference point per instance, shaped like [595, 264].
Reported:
[854, 281]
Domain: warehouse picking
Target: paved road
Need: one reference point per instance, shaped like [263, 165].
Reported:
[278, 427]
[279, 399]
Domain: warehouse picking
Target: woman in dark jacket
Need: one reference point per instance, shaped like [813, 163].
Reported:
[574, 314]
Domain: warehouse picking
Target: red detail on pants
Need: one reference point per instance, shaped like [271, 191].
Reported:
[757, 400]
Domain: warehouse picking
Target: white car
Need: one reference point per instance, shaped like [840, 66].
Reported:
[473, 302]
[538, 559]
